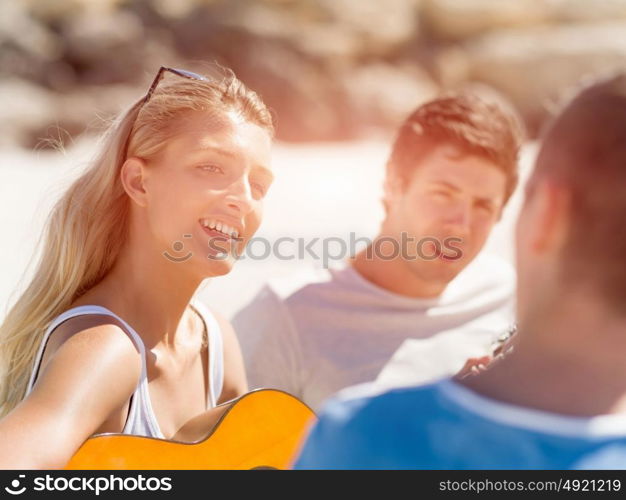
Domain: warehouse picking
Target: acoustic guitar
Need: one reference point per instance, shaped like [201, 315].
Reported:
[262, 429]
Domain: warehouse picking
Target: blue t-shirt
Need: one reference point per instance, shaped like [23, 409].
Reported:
[447, 426]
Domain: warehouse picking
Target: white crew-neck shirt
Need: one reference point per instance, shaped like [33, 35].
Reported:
[320, 331]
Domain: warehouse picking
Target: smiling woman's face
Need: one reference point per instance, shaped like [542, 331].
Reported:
[204, 192]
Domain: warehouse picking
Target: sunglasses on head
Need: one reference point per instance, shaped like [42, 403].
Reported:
[180, 72]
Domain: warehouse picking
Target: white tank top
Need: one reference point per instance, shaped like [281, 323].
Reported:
[141, 420]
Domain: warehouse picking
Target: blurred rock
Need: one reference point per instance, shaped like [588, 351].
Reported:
[19, 28]
[533, 67]
[329, 69]
[327, 28]
[24, 107]
[27, 46]
[460, 19]
[583, 11]
[385, 95]
[33, 117]
[103, 49]
[92, 107]
[330, 100]
[298, 56]
[302, 94]
[381, 27]
[59, 10]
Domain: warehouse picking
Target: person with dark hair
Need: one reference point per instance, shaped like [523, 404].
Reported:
[452, 168]
[558, 399]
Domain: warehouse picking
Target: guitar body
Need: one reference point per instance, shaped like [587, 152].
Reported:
[262, 429]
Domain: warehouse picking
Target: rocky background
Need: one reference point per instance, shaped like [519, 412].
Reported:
[330, 69]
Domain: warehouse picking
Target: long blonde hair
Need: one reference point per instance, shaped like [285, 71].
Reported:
[88, 225]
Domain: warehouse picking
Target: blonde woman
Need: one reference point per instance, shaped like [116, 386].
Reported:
[108, 336]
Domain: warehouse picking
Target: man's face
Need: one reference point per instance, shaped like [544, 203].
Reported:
[447, 208]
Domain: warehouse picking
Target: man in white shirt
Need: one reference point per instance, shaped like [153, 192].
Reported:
[557, 399]
[452, 168]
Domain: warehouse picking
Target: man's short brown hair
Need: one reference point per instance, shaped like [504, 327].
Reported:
[584, 148]
[475, 126]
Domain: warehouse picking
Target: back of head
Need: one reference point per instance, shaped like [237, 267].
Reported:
[474, 125]
[584, 149]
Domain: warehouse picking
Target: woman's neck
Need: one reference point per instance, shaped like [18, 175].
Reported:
[149, 292]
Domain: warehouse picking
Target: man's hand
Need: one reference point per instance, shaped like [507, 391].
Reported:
[474, 366]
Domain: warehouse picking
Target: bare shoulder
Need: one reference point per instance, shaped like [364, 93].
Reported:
[96, 332]
[95, 349]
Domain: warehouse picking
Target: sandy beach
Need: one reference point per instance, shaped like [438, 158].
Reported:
[321, 190]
